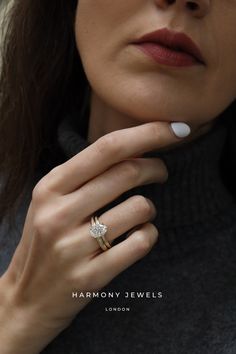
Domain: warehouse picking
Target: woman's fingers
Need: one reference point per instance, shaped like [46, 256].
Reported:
[132, 212]
[107, 265]
[106, 151]
[119, 219]
[112, 183]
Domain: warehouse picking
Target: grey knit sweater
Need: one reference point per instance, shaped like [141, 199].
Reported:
[181, 297]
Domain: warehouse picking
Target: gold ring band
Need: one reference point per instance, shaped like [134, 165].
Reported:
[101, 243]
[98, 231]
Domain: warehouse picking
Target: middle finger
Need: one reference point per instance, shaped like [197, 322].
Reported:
[112, 183]
[120, 219]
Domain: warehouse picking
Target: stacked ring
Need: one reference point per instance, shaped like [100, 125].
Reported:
[98, 231]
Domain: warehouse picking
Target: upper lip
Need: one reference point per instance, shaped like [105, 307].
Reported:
[175, 40]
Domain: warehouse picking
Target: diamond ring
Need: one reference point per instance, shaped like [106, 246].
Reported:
[98, 231]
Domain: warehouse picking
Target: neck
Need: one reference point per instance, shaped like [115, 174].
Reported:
[104, 119]
[193, 198]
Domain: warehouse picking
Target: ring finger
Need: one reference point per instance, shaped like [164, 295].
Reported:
[111, 184]
[123, 217]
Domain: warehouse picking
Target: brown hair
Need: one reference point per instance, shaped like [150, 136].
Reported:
[41, 78]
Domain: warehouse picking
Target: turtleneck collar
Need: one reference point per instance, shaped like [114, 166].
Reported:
[194, 193]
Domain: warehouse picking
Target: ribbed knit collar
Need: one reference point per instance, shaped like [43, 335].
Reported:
[194, 194]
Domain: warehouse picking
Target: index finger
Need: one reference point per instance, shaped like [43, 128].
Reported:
[108, 150]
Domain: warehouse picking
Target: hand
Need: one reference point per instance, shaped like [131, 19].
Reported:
[56, 254]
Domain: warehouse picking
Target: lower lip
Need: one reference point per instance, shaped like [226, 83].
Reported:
[167, 56]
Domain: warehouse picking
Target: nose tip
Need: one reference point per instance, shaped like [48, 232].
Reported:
[198, 8]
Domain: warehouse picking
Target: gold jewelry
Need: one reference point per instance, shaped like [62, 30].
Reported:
[98, 231]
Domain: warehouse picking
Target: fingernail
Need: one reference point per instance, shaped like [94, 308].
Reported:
[180, 129]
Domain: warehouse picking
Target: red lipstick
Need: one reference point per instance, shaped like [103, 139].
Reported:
[170, 48]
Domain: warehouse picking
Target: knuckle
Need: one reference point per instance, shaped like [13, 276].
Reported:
[40, 192]
[143, 205]
[108, 144]
[54, 172]
[51, 219]
[164, 171]
[143, 242]
[131, 168]
[158, 131]
[46, 185]
[44, 225]
[56, 177]
[37, 192]
[145, 239]
[40, 225]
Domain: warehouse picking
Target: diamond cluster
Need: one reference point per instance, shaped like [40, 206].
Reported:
[98, 230]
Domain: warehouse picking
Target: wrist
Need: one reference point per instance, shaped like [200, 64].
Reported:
[21, 330]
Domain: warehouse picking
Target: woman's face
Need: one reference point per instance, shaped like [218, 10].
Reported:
[131, 82]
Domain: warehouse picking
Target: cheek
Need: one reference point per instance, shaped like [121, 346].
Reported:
[228, 63]
[226, 47]
[92, 26]
[220, 85]
[102, 22]
[103, 27]
[101, 30]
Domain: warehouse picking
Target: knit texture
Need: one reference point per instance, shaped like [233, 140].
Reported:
[193, 264]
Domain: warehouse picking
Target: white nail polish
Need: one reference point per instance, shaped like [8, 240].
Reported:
[180, 129]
